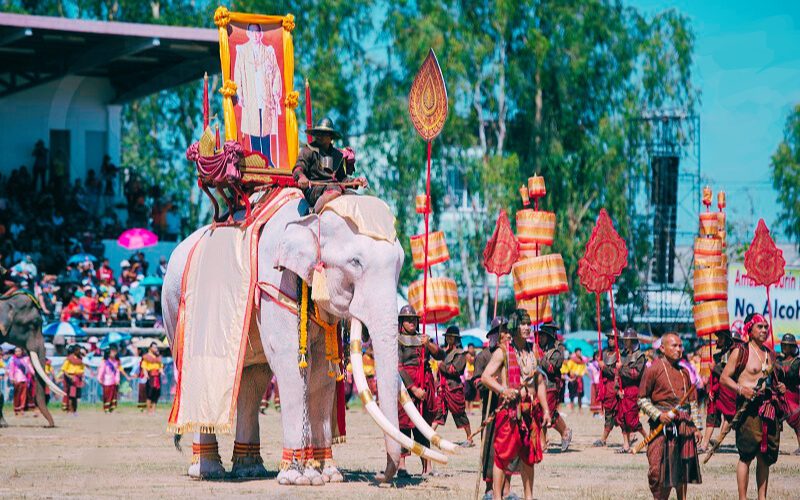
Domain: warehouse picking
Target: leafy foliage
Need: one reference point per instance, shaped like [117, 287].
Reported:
[786, 175]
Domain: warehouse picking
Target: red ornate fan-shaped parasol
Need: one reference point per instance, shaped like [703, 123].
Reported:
[501, 252]
[765, 264]
[605, 258]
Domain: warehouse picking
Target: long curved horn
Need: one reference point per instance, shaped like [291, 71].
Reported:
[38, 367]
[372, 407]
[408, 406]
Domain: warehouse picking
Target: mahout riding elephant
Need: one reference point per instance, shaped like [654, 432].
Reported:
[21, 326]
[362, 276]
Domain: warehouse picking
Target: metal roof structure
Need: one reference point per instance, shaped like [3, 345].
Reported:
[138, 59]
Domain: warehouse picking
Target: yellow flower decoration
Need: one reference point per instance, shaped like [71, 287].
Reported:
[292, 99]
[288, 23]
[222, 17]
[228, 88]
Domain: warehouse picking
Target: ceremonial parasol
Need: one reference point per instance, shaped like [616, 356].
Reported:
[765, 265]
[605, 257]
[79, 258]
[63, 328]
[136, 238]
[501, 252]
[428, 107]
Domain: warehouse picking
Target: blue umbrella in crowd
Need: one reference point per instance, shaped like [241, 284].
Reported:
[113, 338]
[586, 348]
[467, 340]
[63, 328]
[152, 281]
[81, 257]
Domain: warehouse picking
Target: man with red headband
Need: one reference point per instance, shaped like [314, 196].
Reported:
[750, 374]
[789, 365]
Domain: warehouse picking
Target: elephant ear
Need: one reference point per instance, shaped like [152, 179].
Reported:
[297, 250]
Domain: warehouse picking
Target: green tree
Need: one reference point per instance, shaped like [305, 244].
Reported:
[536, 87]
[786, 175]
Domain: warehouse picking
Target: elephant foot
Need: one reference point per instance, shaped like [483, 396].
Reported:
[387, 475]
[314, 476]
[293, 476]
[206, 469]
[331, 474]
[248, 467]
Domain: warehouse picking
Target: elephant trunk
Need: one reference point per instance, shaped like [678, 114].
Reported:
[384, 343]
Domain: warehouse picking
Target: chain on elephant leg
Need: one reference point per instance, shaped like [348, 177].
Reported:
[292, 467]
[330, 473]
[206, 462]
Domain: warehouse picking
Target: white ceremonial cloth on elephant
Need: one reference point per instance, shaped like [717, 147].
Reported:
[371, 216]
[214, 321]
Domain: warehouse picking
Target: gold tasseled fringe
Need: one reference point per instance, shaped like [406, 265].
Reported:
[203, 428]
[339, 440]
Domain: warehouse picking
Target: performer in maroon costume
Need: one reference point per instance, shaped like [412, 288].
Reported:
[630, 375]
[609, 387]
[414, 353]
[451, 387]
[672, 454]
[789, 365]
[513, 375]
[721, 400]
[552, 359]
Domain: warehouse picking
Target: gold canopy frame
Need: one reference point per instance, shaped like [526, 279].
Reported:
[253, 165]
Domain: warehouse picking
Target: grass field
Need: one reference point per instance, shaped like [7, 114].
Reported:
[129, 454]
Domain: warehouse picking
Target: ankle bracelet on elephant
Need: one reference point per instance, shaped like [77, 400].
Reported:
[303, 457]
[251, 451]
[209, 451]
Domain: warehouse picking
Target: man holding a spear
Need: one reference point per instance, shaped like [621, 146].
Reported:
[749, 373]
[664, 397]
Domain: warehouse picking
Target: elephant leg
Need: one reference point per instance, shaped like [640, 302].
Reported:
[279, 337]
[247, 461]
[3, 422]
[206, 462]
[322, 390]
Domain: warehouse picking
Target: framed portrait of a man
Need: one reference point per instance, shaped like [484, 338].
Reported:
[257, 58]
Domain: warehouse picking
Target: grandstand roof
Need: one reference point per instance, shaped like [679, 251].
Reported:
[138, 59]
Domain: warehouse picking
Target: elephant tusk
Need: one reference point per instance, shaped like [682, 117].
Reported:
[371, 406]
[37, 365]
[408, 406]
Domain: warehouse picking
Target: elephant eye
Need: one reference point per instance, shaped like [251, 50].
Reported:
[355, 261]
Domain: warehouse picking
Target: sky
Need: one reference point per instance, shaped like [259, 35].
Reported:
[747, 67]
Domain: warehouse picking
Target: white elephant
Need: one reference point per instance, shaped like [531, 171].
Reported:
[362, 276]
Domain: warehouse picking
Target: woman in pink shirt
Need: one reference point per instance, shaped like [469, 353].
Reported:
[109, 376]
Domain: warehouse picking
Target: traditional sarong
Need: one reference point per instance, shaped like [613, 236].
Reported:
[20, 396]
[517, 434]
[792, 399]
[554, 399]
[427, 408]
[451, 400]
[672, 457]
[575, 388]
[758, 432]
[627, 416]
[153, 386]
[110, 397]
[488, 404]
[608, 397]
[72, 388]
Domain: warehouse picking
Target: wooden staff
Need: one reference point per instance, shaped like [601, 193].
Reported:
[660, 426]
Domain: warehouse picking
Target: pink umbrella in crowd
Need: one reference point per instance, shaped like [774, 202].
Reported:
[136, 238]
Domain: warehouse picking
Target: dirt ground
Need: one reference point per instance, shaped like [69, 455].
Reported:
[128, 454]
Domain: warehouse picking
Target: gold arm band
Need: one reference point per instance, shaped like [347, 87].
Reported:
[366, 397]
[417, 449]
[403, 398]
[355, 346]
